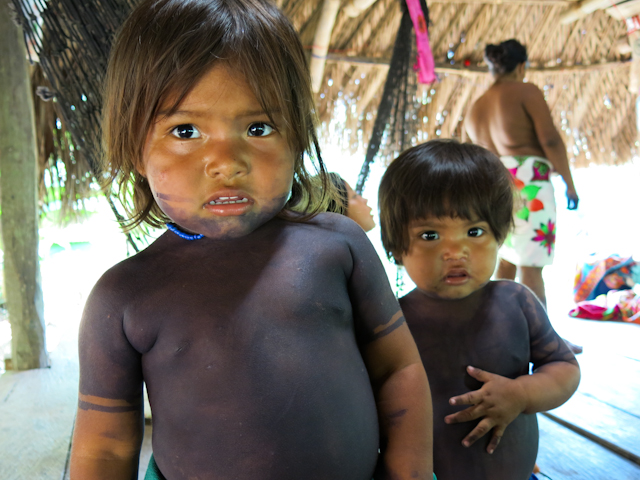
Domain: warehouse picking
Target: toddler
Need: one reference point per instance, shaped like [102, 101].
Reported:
[270, 342]
[445, 208]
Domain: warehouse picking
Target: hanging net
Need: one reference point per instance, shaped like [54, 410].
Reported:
[70, 40]
[396, 122]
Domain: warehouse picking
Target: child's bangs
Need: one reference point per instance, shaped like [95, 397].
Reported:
[436, 195]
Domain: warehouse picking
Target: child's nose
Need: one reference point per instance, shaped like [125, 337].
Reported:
[225, 160]
[454, 250]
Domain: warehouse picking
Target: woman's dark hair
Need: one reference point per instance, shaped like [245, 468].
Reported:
[340, 202]
[161, 52]
[443, 178]
[505, 57]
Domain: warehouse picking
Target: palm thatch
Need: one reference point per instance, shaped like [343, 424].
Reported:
[65, 180]
[580, 66]
[579, 55]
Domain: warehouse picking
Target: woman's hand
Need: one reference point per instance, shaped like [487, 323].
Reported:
[572, 199]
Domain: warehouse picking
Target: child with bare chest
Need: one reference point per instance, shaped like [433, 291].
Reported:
[270, 342]
[444, 210]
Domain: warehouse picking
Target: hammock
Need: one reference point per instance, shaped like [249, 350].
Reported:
[397, 119]
[71, 39]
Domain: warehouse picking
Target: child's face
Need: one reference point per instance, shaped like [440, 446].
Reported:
[358, 210]
[218, 166]
[450, 258]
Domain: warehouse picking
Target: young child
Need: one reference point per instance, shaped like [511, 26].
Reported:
[351, 204]
[444, 210]
[270, 342]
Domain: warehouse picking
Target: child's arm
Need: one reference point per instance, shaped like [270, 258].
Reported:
[397, 376]
[500, 400]
[404, 406]
[106, 443]
[109, 423]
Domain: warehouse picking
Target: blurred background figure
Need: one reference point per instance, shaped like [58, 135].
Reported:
[352, 204]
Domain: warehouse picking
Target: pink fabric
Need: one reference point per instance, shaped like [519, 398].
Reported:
[425, 63]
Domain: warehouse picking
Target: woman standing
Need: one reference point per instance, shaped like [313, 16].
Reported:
[513, 120]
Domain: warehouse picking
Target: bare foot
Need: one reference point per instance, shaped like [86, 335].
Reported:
[575, 349]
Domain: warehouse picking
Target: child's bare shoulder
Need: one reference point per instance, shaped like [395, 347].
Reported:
[118, 282]
[511, 290]
[338, 230]
[507, 285]
[334, 222]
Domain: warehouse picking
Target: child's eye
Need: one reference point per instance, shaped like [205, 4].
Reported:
[260, 129]
[186, 131]
[429, 236]
[476, 232]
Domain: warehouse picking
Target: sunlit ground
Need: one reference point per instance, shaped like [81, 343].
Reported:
[72, 259]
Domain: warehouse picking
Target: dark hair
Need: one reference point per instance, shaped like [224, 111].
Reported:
[443, 178]
[164, 48]
[505, 57]
[340, 204]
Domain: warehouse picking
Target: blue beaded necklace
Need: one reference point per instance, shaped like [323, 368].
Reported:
[187, 236]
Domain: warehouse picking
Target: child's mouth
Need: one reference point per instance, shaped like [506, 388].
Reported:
[457, 277]
[229, 204]
[228, 200]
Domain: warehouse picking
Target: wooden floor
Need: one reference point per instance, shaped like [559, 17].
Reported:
[596, 435]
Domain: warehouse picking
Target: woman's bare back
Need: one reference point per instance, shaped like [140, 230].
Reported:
[500, 122]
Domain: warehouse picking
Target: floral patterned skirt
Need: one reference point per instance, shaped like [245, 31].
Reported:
[532, 243]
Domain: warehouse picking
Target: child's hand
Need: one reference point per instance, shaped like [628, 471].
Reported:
[499, 401]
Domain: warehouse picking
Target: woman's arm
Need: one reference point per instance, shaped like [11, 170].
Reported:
[550, 140]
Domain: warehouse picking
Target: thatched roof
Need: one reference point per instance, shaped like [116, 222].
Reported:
[579, 66]
[582, 65]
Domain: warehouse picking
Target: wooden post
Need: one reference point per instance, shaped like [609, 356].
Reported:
[18, 199]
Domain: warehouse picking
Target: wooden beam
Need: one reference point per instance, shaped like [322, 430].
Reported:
[19, 187]
[456, 69]
[321, 42]
[510, 2]
[584, 8]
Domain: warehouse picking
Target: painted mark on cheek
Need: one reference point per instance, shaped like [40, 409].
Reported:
[171, 198]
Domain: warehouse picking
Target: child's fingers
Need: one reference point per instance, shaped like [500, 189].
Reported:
[495, 440]
[471, 398]
[465, 415]
[493, 444]
[480, 431]
[479, 374]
